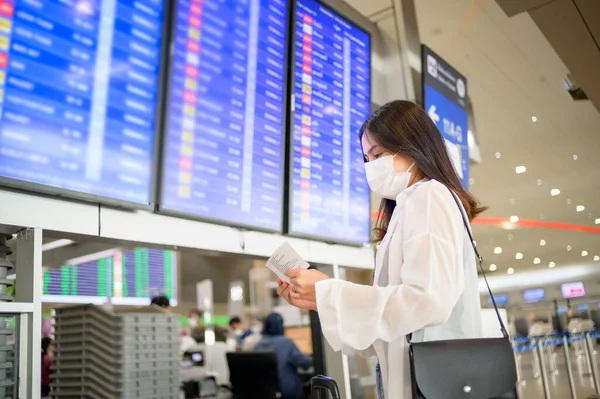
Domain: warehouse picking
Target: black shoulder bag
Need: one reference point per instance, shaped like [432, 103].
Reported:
[465, 368]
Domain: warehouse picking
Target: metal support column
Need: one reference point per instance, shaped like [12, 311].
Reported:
[592, 362]
[569, 367]
[543, 370]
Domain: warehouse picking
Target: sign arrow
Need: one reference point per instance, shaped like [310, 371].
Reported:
[434, 117]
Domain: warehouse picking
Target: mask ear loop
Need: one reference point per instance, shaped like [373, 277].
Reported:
[410, 167]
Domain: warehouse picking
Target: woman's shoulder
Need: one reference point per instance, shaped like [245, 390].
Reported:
[429, 189]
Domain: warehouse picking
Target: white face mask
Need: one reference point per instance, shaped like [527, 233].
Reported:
[383, 178]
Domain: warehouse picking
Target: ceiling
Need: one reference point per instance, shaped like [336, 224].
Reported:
[514, 75]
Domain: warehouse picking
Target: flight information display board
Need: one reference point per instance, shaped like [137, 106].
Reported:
[128, 277]
[225, 125]
[330, 197]
[78, 93]
[85, 283]
[142, 273]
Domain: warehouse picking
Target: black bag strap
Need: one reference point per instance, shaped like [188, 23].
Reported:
[480, 261]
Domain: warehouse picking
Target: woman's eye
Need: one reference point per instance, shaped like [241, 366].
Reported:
[377, 156]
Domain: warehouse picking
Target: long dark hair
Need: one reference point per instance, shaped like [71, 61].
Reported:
[403, 127]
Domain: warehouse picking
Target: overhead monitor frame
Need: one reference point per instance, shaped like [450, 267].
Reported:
[51, 191]
[164, 138]
[289, 164]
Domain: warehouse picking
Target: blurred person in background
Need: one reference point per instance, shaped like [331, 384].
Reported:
[195, 318]
[255, 336]
[162, 302]
[47, 356]
[289, 357]
[239, 331]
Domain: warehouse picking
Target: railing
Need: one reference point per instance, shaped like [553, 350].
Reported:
[544, 357]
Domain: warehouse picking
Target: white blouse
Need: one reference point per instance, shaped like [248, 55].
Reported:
[425, 284]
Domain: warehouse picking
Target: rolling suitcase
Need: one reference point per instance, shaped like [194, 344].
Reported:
[323, 387]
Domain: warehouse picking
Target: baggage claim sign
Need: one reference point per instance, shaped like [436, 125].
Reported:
[445, 100]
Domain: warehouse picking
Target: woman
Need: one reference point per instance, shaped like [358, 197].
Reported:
[425, 281]
[47, 349]
[289, 358]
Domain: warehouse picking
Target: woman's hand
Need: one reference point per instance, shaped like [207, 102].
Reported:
[304, 282]
[285, 291]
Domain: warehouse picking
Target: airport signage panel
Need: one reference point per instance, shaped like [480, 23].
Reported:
[445, 101]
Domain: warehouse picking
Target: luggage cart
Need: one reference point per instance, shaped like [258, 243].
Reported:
[323, 387]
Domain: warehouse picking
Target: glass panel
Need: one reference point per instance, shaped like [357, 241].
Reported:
[8, 368]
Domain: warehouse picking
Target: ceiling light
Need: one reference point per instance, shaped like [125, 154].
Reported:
[474, 242]
[510, 237]
[540, 182]
[584, 253]
[597, 221]
[534, 119]
[537, 261]
[471, 181]
[575, 157]
[510, 270]
[554, 192]
[551, 265]
[512, 201]
[541, 216]
[569, 248]
[498, 155]
[580, 208]
[493, 267]
[569, 201]
[542, 242]
[514, 219]
[63, 242]
[518, 256]
[596, 258]
[520, 169]
[497, 250]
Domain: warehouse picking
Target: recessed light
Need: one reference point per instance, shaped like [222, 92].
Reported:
[596, 258]
[542, 242]
[497, 250]
[498, 155]
[580, 208]
[541, 216]
[518, 256]
[520, 169]
[537, 261]
[551, 264]
[584, 253]
[471, 181]
[512, 201]
[493, 267]
[554, 192]
[510, 270]
[575, 157]
[597, 221]
[534, 119]
[569, 248]
[539, 182]
[569, 202]
[514, 219]
[474, 242]
[510, 237]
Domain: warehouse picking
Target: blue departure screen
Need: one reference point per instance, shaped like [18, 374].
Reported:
[223, 156]
[332, 99]
[78, 92]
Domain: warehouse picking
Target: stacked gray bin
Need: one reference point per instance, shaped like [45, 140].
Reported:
[6, 351]
[124, 353]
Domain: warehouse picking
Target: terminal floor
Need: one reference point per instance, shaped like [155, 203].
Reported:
[558, 382]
